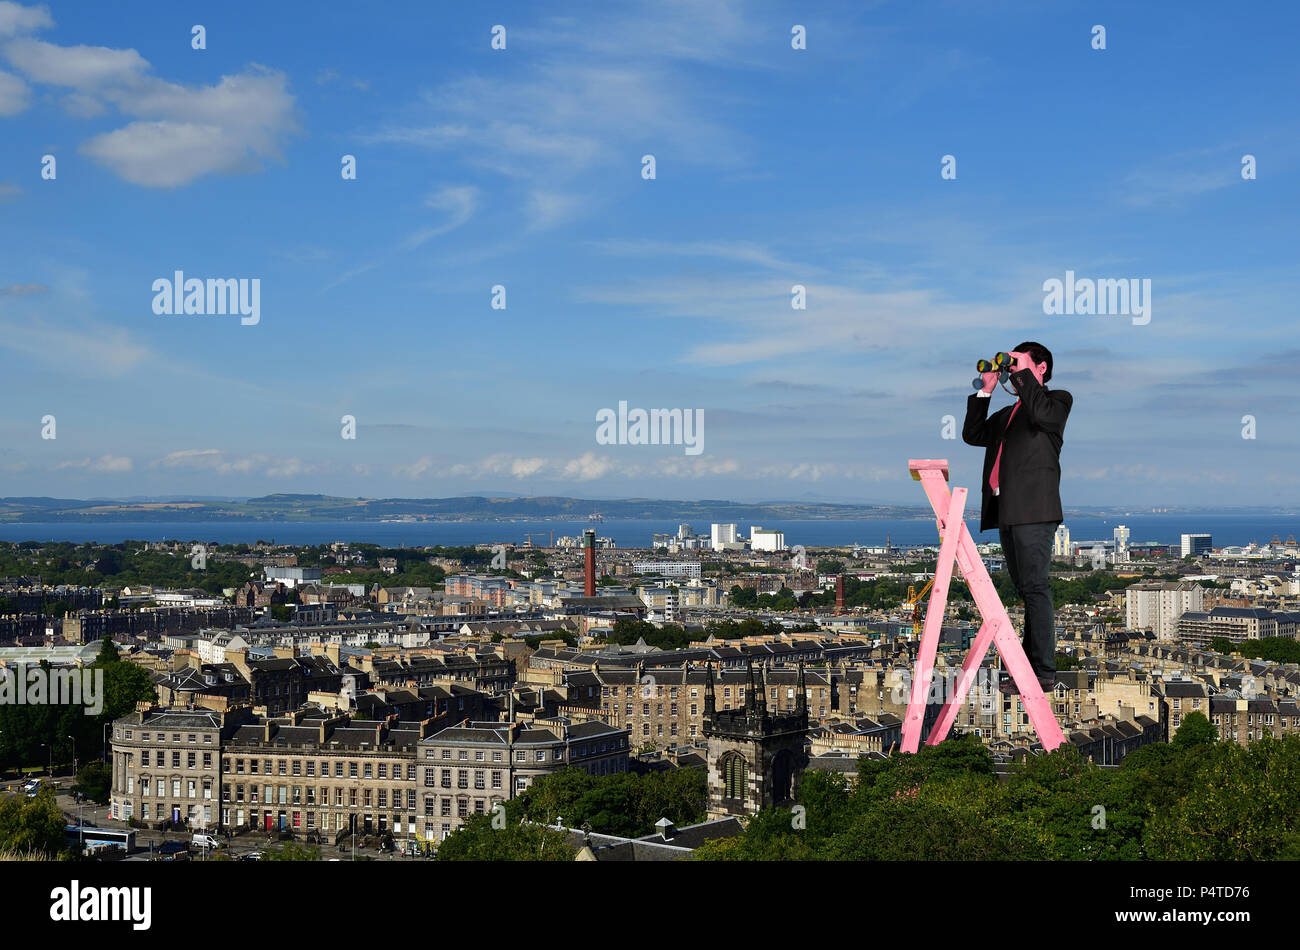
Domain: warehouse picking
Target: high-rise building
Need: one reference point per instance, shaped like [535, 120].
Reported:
[722, 534]
[1156, 606]
[1196, 544]
[1121, 543]
[1061, 542]
[766, 540]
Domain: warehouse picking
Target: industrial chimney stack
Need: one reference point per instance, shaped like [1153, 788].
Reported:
[839, 593]
[589, 551]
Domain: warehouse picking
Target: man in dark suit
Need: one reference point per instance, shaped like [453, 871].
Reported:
[1021, 489]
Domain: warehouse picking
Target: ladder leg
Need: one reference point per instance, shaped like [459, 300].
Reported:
[914, 719]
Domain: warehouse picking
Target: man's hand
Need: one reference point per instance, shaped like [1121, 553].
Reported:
[1021, 361]
[990, 381]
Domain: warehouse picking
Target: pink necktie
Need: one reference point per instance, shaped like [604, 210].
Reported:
[997, 462]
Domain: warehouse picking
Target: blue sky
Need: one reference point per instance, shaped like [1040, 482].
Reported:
[522, 167]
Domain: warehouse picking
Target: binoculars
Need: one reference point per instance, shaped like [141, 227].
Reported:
[1000, 364]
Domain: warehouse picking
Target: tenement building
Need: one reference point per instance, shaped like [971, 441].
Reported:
[468, 769]
[167, 765]
[318, 771]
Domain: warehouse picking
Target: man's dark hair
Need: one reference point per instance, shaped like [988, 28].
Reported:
[1039, 354]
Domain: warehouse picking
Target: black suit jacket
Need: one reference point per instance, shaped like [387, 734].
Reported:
[1029, 478]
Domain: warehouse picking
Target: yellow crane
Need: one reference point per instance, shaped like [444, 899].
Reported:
[914, 601]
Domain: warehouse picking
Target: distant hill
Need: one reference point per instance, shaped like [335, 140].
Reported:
[311, 507]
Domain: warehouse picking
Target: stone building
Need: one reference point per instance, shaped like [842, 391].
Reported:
[754, 757]
[468, 769]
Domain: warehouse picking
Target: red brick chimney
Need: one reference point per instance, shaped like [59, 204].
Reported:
[839, 593]
[589, 550]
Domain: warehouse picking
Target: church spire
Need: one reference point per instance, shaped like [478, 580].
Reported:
[750, 699]
[709, 702]
[760, 703]
[801, 696]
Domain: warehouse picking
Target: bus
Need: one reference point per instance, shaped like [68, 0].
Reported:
[82, 834]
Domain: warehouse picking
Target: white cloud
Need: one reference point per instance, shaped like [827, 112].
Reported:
[215, 460]
[548, 209]
[20, 290]
[525, 468]
[588, 466]
[86, 68]
[106, 464]
[96, 350]
[14, 94]
[16, 19]
[179, 133]
[457, 203]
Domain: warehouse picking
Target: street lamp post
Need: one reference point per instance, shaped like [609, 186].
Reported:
[74, 756]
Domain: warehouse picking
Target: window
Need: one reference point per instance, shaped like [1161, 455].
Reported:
[480, 780]
[735, 771]
[462, 778]
[496, 779]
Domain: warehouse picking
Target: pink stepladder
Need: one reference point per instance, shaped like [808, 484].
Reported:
[956, 543]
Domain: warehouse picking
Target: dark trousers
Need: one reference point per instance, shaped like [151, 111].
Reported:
[1028, 552]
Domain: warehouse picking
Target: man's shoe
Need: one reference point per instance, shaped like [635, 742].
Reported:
[1047, 683]
[1008, 687]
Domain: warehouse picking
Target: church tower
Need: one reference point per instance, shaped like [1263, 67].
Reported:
[754, 758]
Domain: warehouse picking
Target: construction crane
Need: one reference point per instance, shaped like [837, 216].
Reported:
[536, 534]
[914, 601]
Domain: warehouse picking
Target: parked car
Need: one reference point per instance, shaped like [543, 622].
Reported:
[32, 787]
[252, 856]
[173, 851]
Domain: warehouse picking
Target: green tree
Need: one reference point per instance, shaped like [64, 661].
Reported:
[478, 840]
[33, 824]
[293, 851]
[94, 781]
[1195, 729]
